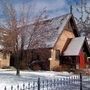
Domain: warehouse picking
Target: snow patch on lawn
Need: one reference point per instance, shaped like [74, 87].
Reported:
[9, 78]
[49, 73]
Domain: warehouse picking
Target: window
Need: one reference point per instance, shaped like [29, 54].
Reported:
[63, 60]
[57, 54]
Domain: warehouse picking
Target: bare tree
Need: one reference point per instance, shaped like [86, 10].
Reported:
[83, 20]
[20, 34]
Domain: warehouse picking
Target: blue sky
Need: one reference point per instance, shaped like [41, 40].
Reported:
[54, 7]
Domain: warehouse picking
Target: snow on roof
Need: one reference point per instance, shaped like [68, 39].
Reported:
[74, 47]
[57, 25]
[46, 36]
[50, 32]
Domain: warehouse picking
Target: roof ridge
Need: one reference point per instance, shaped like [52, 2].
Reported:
[56, 17]
[48, 19]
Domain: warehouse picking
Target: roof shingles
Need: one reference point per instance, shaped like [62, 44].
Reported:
[48, 36]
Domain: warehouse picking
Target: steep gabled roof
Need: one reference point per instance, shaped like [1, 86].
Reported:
[48, 33]
[51, 32]
[74, 47]
[57, 25]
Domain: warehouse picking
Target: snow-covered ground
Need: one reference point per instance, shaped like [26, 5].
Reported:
[9, 78]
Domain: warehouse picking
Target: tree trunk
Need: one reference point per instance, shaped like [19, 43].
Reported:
[17, 65]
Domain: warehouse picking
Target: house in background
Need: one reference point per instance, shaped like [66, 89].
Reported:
[4, 59]
[62, 49]
[4, 55]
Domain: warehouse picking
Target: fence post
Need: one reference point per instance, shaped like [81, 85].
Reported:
[11, 87]
[33, 85]
[23, 86]
[54, 82]
[80, 81]
[17, 87]
[28, 86]
[47, 84]
[5, 88]
[38, 83]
